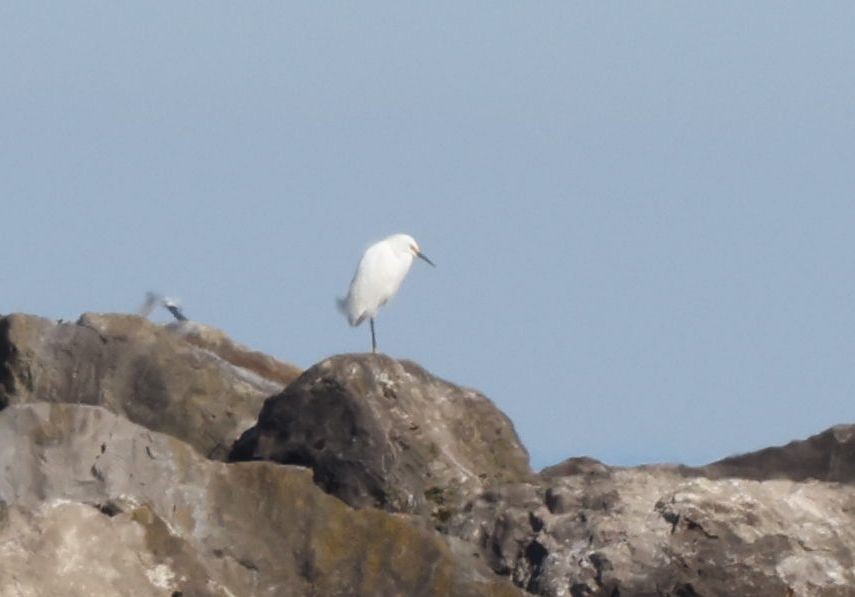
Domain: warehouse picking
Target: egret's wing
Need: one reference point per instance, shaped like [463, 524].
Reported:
[378, 277]
[173, 305]
[151, 301]
[354, 305]
[176, 311]
[361, 298]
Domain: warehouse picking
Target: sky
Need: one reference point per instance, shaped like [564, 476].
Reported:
[641, 213]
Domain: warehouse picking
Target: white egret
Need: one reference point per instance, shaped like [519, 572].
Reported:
[383, 267]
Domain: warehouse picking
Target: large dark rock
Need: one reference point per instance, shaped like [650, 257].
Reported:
[386, 433]
[92, 505]
[205, 391]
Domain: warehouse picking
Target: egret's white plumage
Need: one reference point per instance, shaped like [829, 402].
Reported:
[383, 267]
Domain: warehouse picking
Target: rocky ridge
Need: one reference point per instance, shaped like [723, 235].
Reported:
[363, 475]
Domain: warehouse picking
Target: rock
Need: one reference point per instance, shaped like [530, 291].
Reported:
[142, 371]
[654, 532]
[93, 505]
[218, 342]
[581, 465]
[386, 433]
[827, 456]
[68, 548]
[508, 519]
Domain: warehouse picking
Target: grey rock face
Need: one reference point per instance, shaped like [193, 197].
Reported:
[93, 505]
[654, 532]
[142, 371]
[379, 432]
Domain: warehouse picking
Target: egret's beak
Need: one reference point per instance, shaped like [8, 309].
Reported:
[421, 255]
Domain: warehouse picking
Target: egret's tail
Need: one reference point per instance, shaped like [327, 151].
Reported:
[341, 303]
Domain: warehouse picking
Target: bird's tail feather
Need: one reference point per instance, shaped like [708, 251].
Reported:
[341, 303]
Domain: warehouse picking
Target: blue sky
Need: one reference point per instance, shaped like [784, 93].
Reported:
[641, 214]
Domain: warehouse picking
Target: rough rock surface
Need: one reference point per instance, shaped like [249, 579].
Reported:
[385, 433]
[603, 531]
[826, 456]
[93, 505]
[218, 342]
[142, 371]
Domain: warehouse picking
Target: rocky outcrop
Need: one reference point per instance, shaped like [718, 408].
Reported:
[602, 531]
[97, 501]
[385, 433]
[93, 505]
[147, 373]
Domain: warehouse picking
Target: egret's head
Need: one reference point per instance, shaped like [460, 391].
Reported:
[409, 244]
[418, 253]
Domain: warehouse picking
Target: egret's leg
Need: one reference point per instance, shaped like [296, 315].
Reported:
[373, 339]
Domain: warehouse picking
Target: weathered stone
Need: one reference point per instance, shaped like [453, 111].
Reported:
[140, 370]
[381, 432]
[826, 456]
[506, 534]
[219, 343]
[654, 532]
[94, 505]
